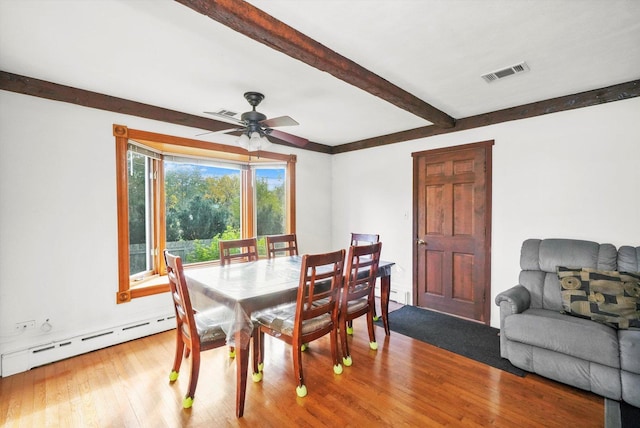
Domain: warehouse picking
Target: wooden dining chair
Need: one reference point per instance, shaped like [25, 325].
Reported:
[196, 332]
[358, 294]
[314, 315]
[364, 238]
[246, 250]
[277, 244]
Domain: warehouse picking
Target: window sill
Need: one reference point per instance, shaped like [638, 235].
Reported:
[155, 285]
[148, 287]
[149, 282]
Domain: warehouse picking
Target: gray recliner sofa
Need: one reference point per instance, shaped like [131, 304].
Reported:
[536, 335]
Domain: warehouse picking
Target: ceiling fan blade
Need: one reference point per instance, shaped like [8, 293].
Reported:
[279, 121]
[222, 131]
[289, 138]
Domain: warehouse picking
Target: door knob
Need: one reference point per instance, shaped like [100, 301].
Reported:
[422, 242]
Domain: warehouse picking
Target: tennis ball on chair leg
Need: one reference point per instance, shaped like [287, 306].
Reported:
[350, 330]
[187, 402]
[256, 377]
[373, 345]
[173, 376]
[301, 391]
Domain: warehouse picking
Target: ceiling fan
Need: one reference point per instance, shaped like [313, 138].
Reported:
[255, 126]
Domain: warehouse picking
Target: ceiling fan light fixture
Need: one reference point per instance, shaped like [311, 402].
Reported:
[243, 141]
[255, 138]
[257, 142]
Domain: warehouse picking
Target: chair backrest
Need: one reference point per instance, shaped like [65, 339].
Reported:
[361, 272]
[247, 250]
[181, 300]
[319, 289]
[277, 244]
[364, 238]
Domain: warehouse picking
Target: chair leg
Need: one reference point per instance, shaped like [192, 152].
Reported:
[296, 350]
[261, 348]
[193, 380]
[258, 352]
[346, 356]
[372, 332]
[177, 360]
[337, 367]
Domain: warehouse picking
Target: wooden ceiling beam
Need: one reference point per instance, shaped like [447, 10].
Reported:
[607, 94]
[54, 91]
[259, 26]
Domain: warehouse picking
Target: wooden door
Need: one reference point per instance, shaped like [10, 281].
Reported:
[452, 219]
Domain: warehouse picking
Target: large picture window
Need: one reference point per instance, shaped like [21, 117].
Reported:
[187, 195]
[202, 206]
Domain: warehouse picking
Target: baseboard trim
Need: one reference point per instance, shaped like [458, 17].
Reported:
[22, 360]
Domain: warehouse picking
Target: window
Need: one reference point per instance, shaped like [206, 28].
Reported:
[202, 203]
[270, 201]
[141, 170]
[186, 195]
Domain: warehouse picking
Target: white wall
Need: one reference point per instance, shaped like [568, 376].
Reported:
[574, 174]
[58, 224]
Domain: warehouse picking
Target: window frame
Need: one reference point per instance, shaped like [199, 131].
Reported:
[172, 145]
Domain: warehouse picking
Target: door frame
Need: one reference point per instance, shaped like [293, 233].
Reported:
[487, 146]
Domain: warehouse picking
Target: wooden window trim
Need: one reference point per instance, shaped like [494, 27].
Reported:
[182, 146]
[247, 202]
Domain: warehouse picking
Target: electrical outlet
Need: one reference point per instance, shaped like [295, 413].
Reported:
[25, 325]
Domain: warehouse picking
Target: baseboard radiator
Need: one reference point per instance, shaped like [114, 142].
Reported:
[26, 359]
[397, 295]
[400, 296]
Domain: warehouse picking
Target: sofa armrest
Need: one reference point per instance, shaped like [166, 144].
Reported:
[517, 298]
[512, 301]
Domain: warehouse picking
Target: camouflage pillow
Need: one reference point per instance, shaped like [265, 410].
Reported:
[608, 297]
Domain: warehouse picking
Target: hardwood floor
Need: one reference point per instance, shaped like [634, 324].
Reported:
[404, 383]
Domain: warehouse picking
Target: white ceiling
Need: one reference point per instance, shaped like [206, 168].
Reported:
[163, 53]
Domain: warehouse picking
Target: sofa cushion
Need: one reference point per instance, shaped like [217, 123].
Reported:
[539, 259]
[628, 259]
[562, 333]
[571, 252]
[605, 296]
[630, 350]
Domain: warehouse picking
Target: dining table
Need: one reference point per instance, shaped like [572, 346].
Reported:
[241, 289]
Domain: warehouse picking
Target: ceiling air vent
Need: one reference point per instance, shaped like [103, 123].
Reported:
[229, 113]
[509, 71]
